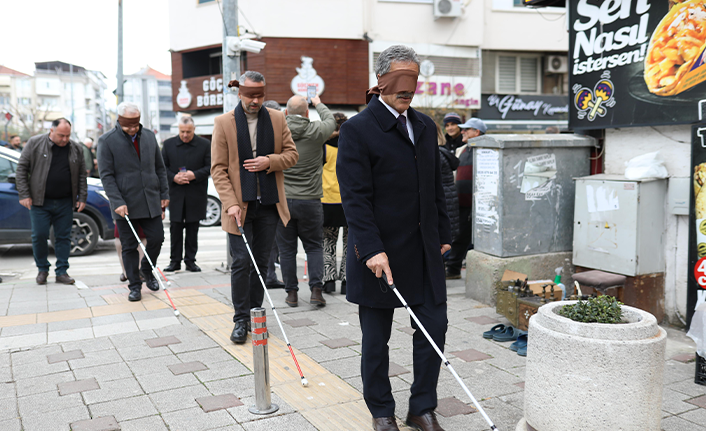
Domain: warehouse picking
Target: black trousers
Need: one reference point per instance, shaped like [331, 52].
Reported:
[246, 290]
[154, 233]
[462, 242]
[376, 325]
[176, 232]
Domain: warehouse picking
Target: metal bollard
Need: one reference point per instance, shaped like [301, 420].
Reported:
[261, 361]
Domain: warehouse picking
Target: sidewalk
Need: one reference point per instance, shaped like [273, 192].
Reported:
[87, 359]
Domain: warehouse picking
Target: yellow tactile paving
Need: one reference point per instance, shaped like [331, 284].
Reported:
[111, 309]
[155, 305]
[18, 320]
[62, 316]
[116, 298]
[328, 403]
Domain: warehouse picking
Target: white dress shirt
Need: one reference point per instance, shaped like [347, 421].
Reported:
[397, 114]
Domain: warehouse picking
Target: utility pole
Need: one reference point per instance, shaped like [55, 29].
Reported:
[119, 90]
[71, 81]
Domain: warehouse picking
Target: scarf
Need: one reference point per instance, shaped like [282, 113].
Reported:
[394, 82]
[265, 146]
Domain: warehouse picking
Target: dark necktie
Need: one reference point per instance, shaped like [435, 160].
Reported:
[402, 125]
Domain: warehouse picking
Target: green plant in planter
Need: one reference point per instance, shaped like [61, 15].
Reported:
[602, 309]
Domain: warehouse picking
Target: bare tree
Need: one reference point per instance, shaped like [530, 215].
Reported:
[32, 116]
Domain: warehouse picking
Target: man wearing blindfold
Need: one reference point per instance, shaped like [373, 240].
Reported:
[390, 180]
[251, 146]
[134, 177]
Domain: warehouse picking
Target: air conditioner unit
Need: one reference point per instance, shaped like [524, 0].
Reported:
[557, 64]
[447, 8]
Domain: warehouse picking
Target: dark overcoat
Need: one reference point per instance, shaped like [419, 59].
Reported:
[394, 202]
[138, 182]
[449, 163]
[195, 156]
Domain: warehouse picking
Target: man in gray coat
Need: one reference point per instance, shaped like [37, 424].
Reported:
[134, 177]
[51, 182]
[304, 190]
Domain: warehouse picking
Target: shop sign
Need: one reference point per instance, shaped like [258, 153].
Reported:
[636, 62]
[209, 93]
[696, 282]
[515, 107]
[212, 93]
[307, 76]
[453, 92]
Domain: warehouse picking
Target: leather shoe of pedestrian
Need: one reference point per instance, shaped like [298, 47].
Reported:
[240, 332]
[192, 267]
[275, 285]
[173, 266]
[151, 282]
[452, 275]
[42, 277]
[292, 298]
[317, 298]
[330, 286]
[123, 277]
[425, 422]
[385, 424]
[135, 295]
[65, 279]
[343, 287]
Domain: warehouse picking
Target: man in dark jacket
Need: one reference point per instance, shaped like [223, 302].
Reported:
[472, 128]
[51, 182]
[390, 181]
[134, 177]
[187, 158]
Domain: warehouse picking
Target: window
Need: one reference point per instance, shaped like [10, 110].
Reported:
[6, 168]
[5, 99]
[167, 114]
[204, 62]
[165, 128]
[153, 99]
[205, 1]
[24, 101]
[518, 74]
[165, 99]
[164, 83]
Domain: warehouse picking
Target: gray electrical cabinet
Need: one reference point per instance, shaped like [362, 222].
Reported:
[619, 224]
[523, 199]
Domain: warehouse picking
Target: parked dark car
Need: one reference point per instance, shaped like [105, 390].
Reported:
[92, 223]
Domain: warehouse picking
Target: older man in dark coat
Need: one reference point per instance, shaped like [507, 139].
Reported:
[135, 180]
[390, 179]
[187, 158]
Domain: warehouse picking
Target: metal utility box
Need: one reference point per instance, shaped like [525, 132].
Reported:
[523, 201]
[619, 224]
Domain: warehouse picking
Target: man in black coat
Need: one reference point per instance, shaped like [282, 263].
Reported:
[187, 158]
[134, 178]
[390, 180]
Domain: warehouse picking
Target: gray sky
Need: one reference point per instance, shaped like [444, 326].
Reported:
[85, 33]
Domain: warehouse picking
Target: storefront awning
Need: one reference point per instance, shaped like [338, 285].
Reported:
[524, 126]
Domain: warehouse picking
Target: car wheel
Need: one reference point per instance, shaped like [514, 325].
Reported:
[213, 213]
[84, 235]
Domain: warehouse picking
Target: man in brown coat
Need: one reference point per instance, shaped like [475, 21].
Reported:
[250, 148]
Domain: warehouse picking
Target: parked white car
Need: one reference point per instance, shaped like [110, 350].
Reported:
[213, 207]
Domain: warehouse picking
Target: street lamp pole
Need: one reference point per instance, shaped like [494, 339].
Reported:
[231, 71]
[119, 90]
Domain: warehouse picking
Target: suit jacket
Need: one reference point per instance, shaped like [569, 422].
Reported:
[225, 165]
[138, 182]
[195, 156]
[394, 202]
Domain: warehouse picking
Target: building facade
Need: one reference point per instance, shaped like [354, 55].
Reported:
[151, 90]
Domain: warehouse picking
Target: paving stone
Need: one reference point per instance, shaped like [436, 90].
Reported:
[179, 399]
[115, 328]
[106, 423]
[676, 423]
[11, 425]
[38, 369]
[124, 409]
[59, 357]
[37, 385]
[86, 346]
[407, 330]
[684, 358]
[66, 388]
[161, 382]
[222, 370]
[70, 335]
[297, 323]
[193, 343]
[152, 366]
[8, 409]
[47, 402]
[195, 419]
[243, 386]
[291, 422]
[471, 355]
[520, 385]
[699, 401]
[55, 420]
[104, 373]
[396, 370]
[132, 353]
[207, 357]
[12, 331]
[452, 406]
[338, 342]
[23, 341]
[92, 359]
[157, 323]
[7, 390]
[187, 367]
[132, 339]
[149, 423]
[483, 320]
[218, 402]
[38, 354]
[162, 341]
[114, 390]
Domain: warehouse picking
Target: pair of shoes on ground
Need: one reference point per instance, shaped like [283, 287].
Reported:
[176, 266]
[151, 283]
[330, 287]
[240, 332]
[63, 278]
[425, 422]
[316, 299]
[520, 346]
[502, 333]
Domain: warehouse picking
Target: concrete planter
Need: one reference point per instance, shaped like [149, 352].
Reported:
[592, 376]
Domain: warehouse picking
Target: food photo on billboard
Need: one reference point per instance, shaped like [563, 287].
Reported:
[636, 62]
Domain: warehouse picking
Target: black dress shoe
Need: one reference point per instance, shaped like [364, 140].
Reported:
[240, 332]
[275, 285]
[385, 424]
[425, 422]
[123, 277]
[330, 286]
[173, 266]
[151, 282]
[192, 267]
[135, 295]
[343, 287]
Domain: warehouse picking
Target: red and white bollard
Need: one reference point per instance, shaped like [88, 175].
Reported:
[261, 364]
